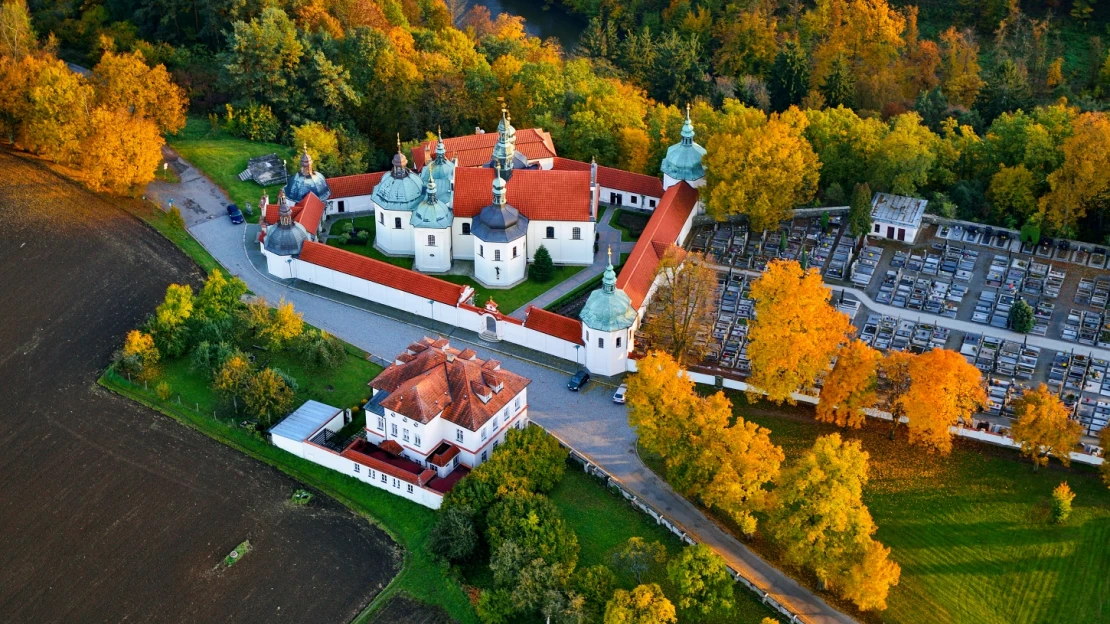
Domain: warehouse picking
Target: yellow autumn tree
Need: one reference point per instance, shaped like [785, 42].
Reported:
[231, 378]
[267, 396]
[121, 151]
[960, 67]
[762, 170]
[125, 82]
[139, 355]
[684, 305]
[850, 387]
[943, 389]
[1104, 442]
[795, 332]
[48, 107]
[1042, 426]
[658, 399]
[1081, 184]
[822, 524]
[646, 604]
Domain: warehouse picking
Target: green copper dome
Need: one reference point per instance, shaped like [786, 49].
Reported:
[401, 189]
[432, 213]
[442, 171]
[683, 161]
[608, 308]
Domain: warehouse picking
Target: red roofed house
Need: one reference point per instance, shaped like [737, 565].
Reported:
[443, 408]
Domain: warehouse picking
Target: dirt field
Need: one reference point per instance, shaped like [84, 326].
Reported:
[110, 512]
[404, 610]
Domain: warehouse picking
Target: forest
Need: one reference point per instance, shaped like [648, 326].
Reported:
[992, 110]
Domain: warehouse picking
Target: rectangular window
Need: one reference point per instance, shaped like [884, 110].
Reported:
[410, 488]
[496, 443]
[431, 240]
[485, 455]
[497, 255]
[482, 250]
[383, 478]
[515, 254]
[651, 203]
[459, 435]
[516, 404]
[397, 223]
[466, 228]
[394, 428]
[618, 341]
[484, 434]
[405, 435]
[600, 342]
[495, 420]
[877, 226]
[356, 468]
[381, 423]
[418, 441]
[576, 233]
[381, 218]
[634, 198]
[373, 475]
[396, 484]
[455, 462]
[550, 232]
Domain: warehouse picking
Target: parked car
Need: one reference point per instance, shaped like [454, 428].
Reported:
[618, 396]
[579, 381]
[235, 214]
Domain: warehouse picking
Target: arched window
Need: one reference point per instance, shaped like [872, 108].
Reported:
[497, 255]
[466, 229]
[396, 223]
[576, 233]
[550, 232]
[431, 240]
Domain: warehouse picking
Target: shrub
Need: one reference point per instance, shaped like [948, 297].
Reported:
[174, 219]
[834, 195]
[163, 390]
[208, 357]
[346, 227]
[301, 498]
[267, 396]
[345, 238]
[454, 537]
[542, 267]
[254, 122]
[287, 378]
[363, 236]
[139, 355]
[533, 523]
[320, 349]
[1062, 497]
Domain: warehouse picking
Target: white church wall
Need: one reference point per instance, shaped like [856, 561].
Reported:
[563, 247]
[626, 199]
[393, 233]
[603, 356]
[349, 205]
[505, 272]
[278, 266]
[462, 245]
[433, 250]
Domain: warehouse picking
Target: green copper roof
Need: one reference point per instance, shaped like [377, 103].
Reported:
[683, 160]
[608, 308]
[442, 171]
[432, 213]
[401, 189]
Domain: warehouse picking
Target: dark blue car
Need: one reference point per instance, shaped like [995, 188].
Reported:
[579, 381]
[235, 214]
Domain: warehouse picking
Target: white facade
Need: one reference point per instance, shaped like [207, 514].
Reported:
[627, 199]
[500, 265]
[894, 231]
[668, 182]
[394, 234]
[568, 242]
[607, 352]
[462, 241]
[433, 250]
[349, 205]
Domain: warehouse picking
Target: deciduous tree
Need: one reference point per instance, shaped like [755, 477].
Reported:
[139, 355]
[121, 151]
[1042, 426]
[17, 37]
[905, 156]
[1062, 496]
[220, 296]
[170, 317]
[943, 389]
[702, 579]
[231, 378]
[685, 298]
[850, 387]
[796, 330]
[532, 522]
[763, 170]
[638, 556]
[125, 82]
[1080, 185]
[960, 69]
[267, 396]
[1104, 442]
[454, 536]
[868, 582]
[644, 605]
[659, 397]
[1013, 194]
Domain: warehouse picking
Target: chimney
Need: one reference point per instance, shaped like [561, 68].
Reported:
[478, 130]
[450, 357]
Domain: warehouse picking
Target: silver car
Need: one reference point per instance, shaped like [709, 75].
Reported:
[618, 396]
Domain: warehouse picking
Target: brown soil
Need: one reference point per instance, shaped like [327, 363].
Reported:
[110, 511]
[404, 610]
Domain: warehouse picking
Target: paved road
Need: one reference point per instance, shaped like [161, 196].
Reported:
[589, 421]
[610, 238]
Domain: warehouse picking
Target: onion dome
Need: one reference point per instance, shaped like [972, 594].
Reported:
[505, 148]
[683, 160]
[402, 189]
[499, 222]
[442, 171]
[608, 308]
[306, 181]
[432, 213]
[285, 238]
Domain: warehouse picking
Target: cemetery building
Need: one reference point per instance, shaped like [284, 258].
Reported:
[896, 217]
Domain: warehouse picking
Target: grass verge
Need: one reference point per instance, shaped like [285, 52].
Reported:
[223, 157]
[972, 531]
[408, 523]
[156, 218]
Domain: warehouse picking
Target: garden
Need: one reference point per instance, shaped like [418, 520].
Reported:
[631, 223]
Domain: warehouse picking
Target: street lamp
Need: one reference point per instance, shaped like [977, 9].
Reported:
[576, 364]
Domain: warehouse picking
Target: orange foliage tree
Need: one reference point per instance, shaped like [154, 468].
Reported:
[850, 387]
[943, 389]
[1042, 426]
[684, 305]
[795, 332]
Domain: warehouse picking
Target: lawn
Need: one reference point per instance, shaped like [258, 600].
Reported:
[971, 531]
[368, 250]
[603, 520]
[631, 223]
[223, 157]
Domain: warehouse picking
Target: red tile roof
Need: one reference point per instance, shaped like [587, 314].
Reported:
[539, 195]
[554, 324]
[354, 185]
[475, 150]
[661, 231]
[307, 212]
[609, 177]
[467, 392]
[367, 454]
[382, 273]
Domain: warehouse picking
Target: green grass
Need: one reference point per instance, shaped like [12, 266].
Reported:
[590, 285]
[368, 250]
[626, 233]
[509, 299]
[408, 523]
[154, 216]
[223, 157]
[971, 531]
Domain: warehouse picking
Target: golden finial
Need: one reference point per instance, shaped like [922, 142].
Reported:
[398, 142]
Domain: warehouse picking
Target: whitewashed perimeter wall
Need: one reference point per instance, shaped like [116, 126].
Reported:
[420, 306]
[963, 432]
[330, 459]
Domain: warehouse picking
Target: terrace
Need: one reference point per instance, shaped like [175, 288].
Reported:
[388, 461]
